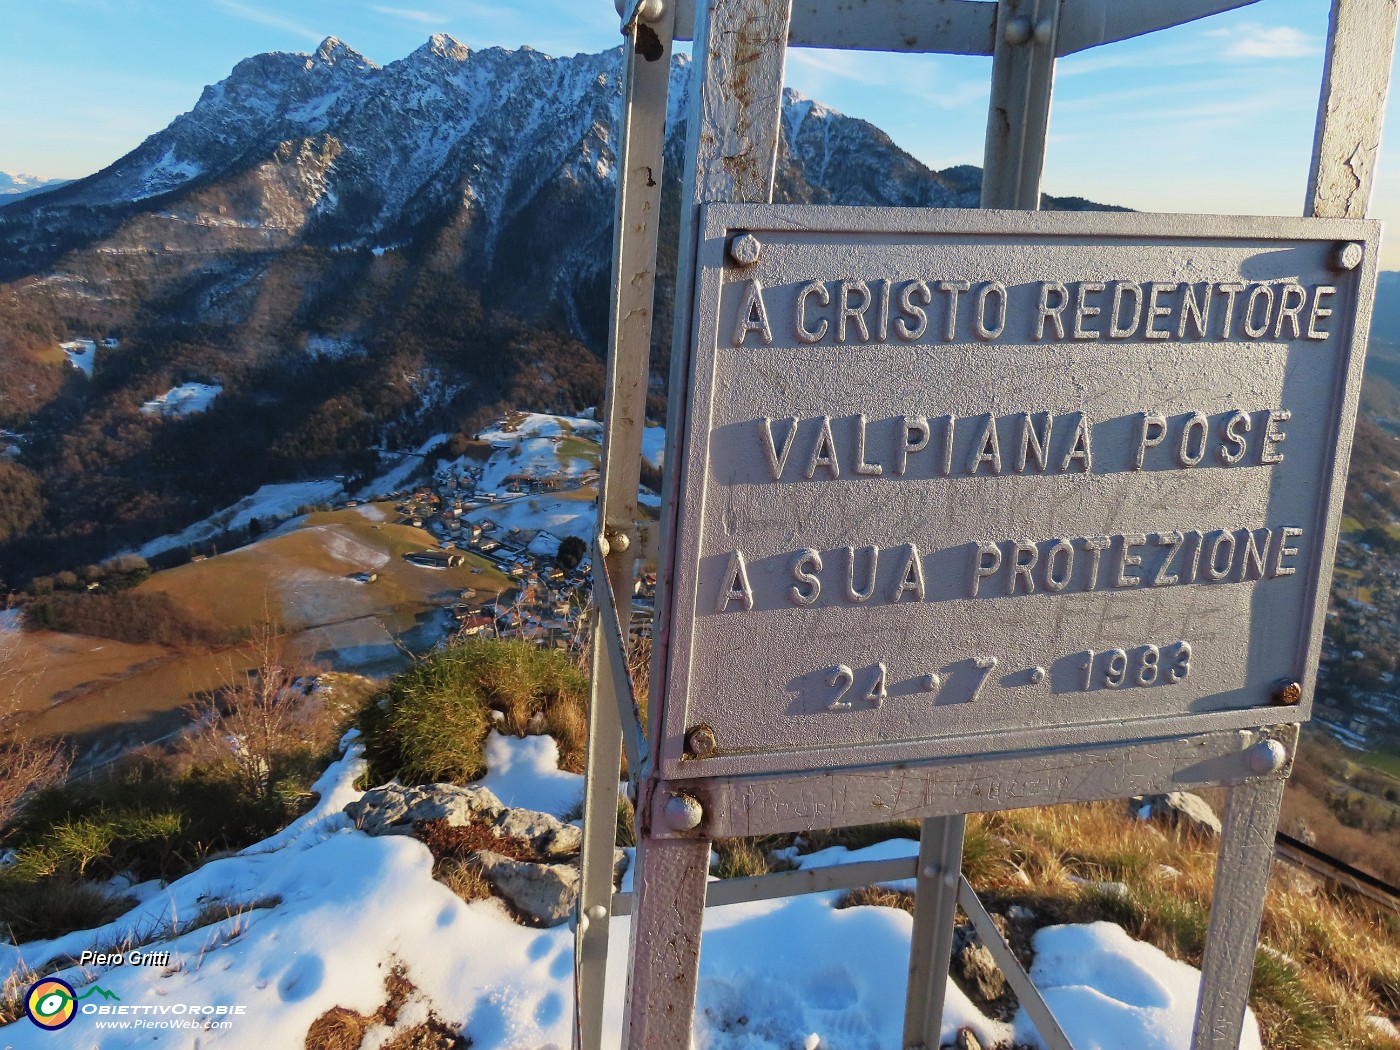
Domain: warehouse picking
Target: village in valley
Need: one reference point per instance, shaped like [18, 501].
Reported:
[1358, 695]
[530, 509]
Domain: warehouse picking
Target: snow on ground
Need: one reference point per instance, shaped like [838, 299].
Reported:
[654, 445]
[338, 909]
[533, 448]
[408, 465]
[560, 517]
[540, 425]
[344, 547]
[271, 502]
[328, 346]
[82, 354]
[183, 400]
[1101, 985]
[525, 774]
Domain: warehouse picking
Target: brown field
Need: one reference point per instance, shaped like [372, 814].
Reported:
[101, 693]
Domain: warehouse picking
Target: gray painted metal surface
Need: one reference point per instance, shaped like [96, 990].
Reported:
[931, 940]
[1018, 112]
[966, 482]
[614, 716]
[779, 802]
[731, 153]
[1351, 110]
[965, 27]
[1236, 908]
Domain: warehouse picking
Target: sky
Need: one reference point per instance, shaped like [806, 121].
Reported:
[1213, 117]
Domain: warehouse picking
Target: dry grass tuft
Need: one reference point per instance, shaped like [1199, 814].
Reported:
[464, 879]
[744, 858]
[342, 1029]
[878, 897]
[1328, 959]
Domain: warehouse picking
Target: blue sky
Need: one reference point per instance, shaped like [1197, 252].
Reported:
[1215, 116]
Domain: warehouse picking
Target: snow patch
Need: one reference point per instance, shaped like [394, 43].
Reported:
[1109, 991]
[524, 773]
[325, 346]
[274, 502]
[654, 446]
[82, 354]
[183, 400]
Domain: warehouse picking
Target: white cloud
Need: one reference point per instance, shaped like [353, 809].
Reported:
[405, 14]
[1253, 40]
[270, 18]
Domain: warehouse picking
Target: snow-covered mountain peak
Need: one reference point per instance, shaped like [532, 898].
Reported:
[445, 45]
[334, 51]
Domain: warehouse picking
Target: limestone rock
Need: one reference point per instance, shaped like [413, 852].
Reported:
[550, 837]
[966, 1040]
[393, 809]
[545, 892]
[1178, 809]
[979, 970]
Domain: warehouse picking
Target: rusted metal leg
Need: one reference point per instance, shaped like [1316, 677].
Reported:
[1236, 908]
[665, 965]
[931, 945]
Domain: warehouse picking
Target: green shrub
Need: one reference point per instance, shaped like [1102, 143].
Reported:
[430, 724]
[33, 911]
[146, 822]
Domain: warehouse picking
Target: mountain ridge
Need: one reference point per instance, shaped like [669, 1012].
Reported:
[444, 220]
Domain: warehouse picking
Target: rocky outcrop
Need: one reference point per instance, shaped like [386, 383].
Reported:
[1180, 810]
[542, 887]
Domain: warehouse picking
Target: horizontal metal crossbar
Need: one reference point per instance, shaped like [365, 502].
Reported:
[794, 883]
[964, 27]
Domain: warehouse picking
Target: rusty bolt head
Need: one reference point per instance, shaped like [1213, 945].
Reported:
[1288, 693]
[1347, 256]
[701, 741]
[745, 249]
[683, 813]
[1044, 29]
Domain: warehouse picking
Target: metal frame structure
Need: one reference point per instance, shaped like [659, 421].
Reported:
[735, 108]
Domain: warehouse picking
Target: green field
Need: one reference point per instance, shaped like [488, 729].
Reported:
[1382, 760]
[578, 448]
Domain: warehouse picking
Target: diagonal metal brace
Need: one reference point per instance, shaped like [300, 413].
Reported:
[614, 639]
[1026, 992]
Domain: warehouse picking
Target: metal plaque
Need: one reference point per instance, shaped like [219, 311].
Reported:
[965, 482]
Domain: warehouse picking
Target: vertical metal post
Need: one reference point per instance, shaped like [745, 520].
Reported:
[1351, 111]
[1018, 117]
[641, 140]
[1236, 908]
[735, 116]
[931, 943]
